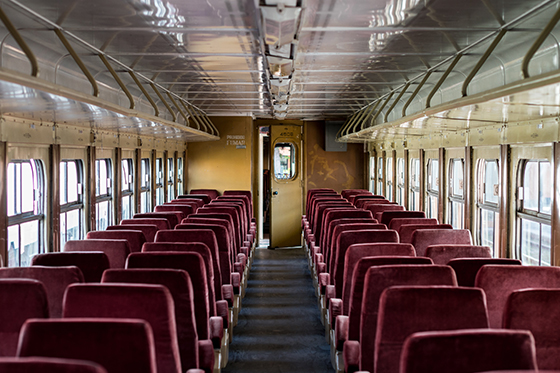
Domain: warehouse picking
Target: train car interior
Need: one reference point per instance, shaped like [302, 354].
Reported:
[343, 186]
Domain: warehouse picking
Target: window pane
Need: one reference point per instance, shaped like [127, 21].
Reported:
[284, 161]
[159, 171]
[531, 186]
[70, 226]
[11, 189]
[457, 178]
[487, 224]
[432, 207]
[180, 176]
[415, 173]
[415, 201]
[63, 229]
[457, 214]
[27, 196]
[125, 175]
[491, 182]
[73, 181]
[102, 175]
[530, 242]
[13, 246]
[63, 183]
[145, 205]
[433, 176]
[127, 204]
[102, 215]
[145, 182]
[546, 232]
[545, 190]
[400, 171]
[372, 174]
[29, 242]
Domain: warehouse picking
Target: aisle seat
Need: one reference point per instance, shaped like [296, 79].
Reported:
[117, 250]
[196, 201]
[422, 238]
[467, 268]
[406, 230]
[91, 264]
[203, 197]
[185, 210]
[48, 365]
[149, 230]
[388, 216]
[135, 238]
[212, 193]
[161, 223]
[396, 223]
[172, 217]
[442, 254]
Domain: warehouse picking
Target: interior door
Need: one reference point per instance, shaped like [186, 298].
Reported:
[286, 186]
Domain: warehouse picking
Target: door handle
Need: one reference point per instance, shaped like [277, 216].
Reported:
[275, 193]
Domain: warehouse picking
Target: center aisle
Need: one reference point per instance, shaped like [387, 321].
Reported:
[279, 327]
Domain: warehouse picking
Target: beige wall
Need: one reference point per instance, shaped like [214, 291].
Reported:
[220, 164]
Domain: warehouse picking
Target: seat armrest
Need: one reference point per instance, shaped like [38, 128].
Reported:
[335, 308]
[236, 282]
[227, 290]
[205, 356]
[244, 250]
[223, 312]
[341, 331]
[351, 354]
[324, 280]
[216, 331]
[195, 371]
[318, 258]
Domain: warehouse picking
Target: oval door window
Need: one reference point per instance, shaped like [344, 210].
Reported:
[284, 161]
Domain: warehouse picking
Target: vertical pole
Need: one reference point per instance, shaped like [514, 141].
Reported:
[54, 206]
[504, 201]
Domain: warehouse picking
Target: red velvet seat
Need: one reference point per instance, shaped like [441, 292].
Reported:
[337, 214]
[161, 223]
[406, 230]
[320, 213]
[101, 340]
[411, 309]
[499, 281]
[360, 199]
[375, 208]
[241, 214]
[346, 192]
[467, 268]
[20, 299]
[422, 238]
[352, 197]
[117, 250]
[221, 216]
[204, 197]
[468, 351]
[152, 303]
[135, 238]
[149, 230]
[387, 216]
[442, 254]
[48, 365]
[198, 202]
[186, 210]
[331, 224]
[54, 279]
[92, 264]
[215, 221]
[212, 193]
[172, 217]
[245, 193]
[364, 307]
[396, 223]
[179, 284]
[232, 212]
[319, 198]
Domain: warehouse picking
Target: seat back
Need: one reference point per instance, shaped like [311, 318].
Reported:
[411, 309]
[92, 264]
[338, 214]
[178, 282]
[212, 193]
[48, 365]
[442, 254]
[161, 223]
[100, 340]
[327, 238]
[468, 351]
[135, 238]
[152, 303]
[396, 223]
[361, 198]
[346, 192]
[117, 250]
[215, 221]
[387, 216]
[359, 258]
[149, 230]
[499, 281]
[54, 279]
[205, 198]
[229, 210]
[196, 201]
[346, 239]
[352, 197]
[376, 280]
[406, 230]
[422, 238]
[321, 211]
[467, 268]
[221, 216]
[318, 198]
[186, 210]
[172, 217]
[375, 208]
[21, 299]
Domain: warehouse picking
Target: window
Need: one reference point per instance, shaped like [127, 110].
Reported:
[389, 190]
[400, 181]
[432, 190]
[456, 197]
[159, 181]
[103, 194]
[71, 201]
[534, 212]
[415, 184]
[488, 203]
[25, 211]
[180, 185]
[145, 184]
[372, 174]
[170, 179]
[127, 188]
[284, 161]
[380, 176]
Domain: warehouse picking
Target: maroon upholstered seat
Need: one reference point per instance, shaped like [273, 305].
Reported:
[364, 307]
[359, 200]
[468, 351]
[232, 212]
[406, 230]
[161, 223]
[55, 280]
[117, 250]
[204, 197]
[530, 309]
[195, 219]
[411, 309]
[212, 193]
[198, 202]
[396, 223]
[92, 264]
[149, 230]
[442, 254]
[100, 340]
[135, 238]
[172, 217]
[352, 197]
[467, 268]
[317, 198]
[152, 303]
[375, 208]
[48, 365]
[337, 214]
[499, 281]
[179, 284]
[327, 238]
[321, 212]
[346, 192]
[387, 216]
[20, 299]
[422, 238]
[185, 209]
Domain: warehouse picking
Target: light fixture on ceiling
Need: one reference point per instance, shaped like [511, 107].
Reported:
[280, 107]
[280, 68]
[280, 24]
[280, 87]
[280, 116]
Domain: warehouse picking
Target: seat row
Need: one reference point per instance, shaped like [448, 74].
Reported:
[173, 278]
[368, 319]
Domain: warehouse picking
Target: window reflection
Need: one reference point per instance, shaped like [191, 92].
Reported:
[284, 161]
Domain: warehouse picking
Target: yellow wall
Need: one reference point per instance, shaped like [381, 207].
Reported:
[221, 164]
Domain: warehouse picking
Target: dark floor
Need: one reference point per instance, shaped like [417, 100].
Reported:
[279, 328]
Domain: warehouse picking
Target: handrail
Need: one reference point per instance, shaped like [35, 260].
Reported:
[150, 99]
[396, 101]
[536, 45]
[382, 107]
[178, 107]
[21, 42]
[442, 79]
[164, 102]
[117, 79]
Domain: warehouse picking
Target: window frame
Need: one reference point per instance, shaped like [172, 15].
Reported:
[107, 197]
[78, 205]
[414, 187]
[128, 192]
[453, 197]
[432, 194]
[400, 182]
[160, 179]
[389, 178]
[483, 205]
[145, 185]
